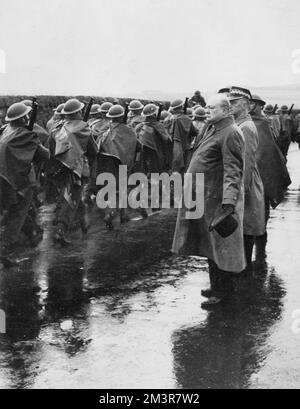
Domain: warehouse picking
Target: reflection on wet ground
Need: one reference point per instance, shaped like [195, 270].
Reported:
[118, 311]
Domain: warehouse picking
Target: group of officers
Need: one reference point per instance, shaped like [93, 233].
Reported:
[236, 140]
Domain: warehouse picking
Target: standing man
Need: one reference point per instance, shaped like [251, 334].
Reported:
[101, 125]
[284, 138]
[254, 211]
[272, 169]
[19, 148]
[95, 114]
[273, 120]
[183, 133]
[74, 150]
[220, 157]
[199, 119]
[197, 99]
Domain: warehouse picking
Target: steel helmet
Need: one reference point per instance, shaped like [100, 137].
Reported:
[95, 109]
[284, 108]
[17, 111]
[72, 106]
[269, 109]
[116, 111]
[27, 102]
[59, 109]
[189, 112]
[105, 107]
[258, 100]
[164, 115]
[177, 103]
[135, 105]
[200, 113]
[150, 110]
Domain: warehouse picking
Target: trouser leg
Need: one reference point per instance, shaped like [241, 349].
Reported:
[248, 245]
[66, 211]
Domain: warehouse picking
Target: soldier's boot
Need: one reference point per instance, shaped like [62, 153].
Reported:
[5, 256]
[214, 292]
[123, 216]
[108, 220]
[260, 247]
[60, 235]
[248, 246]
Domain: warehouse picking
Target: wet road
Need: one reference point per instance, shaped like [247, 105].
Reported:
[118, 311]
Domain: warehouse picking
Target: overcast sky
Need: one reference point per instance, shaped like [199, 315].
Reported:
[125, 47]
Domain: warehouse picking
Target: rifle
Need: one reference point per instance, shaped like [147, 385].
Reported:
[33, 114]
[126, 113]
[185, 107]
[275, 109]
[291, 109]
[88, 110]
[159, 111]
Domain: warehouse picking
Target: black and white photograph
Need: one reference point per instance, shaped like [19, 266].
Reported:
[149, 197]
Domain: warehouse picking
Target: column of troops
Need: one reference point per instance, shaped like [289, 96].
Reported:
[238, 141]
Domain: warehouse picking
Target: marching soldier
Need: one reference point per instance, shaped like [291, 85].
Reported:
[95, 114]
[101, 125]
[117, 147]
[199, 119]
[183, 133]
[56, 118]
[273, 120]
[19, 148]
[75, 150]
[135, 113]
[254, 211]
[197, 98]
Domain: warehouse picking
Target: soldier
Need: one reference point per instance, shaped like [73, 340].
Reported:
[271, 166]
[117, 147]
[220, 156]
[254, 210]
[95, 114]
[183, 133]
[197, 98]
[19, 148]
[101, 125]
[37, 129]
[56, 118]
[284, 138]
[273, 120]
[75, 150]
[135, 112]
[199, 119]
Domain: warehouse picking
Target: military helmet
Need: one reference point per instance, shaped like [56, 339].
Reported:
[17, 111]
[224, 90]
[284, 108]
[116, 111]
[27, 102]
[164, 114]
[105, 107]
[269, 109]
[72, 106]
[258, 100]
[135, 105]
[189, 112]
[177, 103]
[95, 109]
[200, 113]
[150, 110]
[58, 109]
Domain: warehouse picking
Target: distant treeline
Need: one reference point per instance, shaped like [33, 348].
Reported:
[48, 102]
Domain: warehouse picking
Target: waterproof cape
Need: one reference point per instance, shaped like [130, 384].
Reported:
[120, 141]
[41, 133]
[70, 145]
[271, 163]
[17, 149]
[181, 130]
